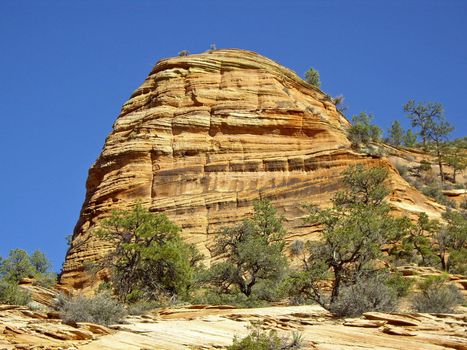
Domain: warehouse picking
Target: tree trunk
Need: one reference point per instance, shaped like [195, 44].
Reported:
[443, 261]
[423, 135]
[440, 161]
[336, 284]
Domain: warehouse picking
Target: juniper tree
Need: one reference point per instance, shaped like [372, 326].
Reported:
[312, 77]
[150, 259]
[253, 252]
[354, 229]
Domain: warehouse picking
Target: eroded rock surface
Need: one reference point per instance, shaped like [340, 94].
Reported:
[206, 135]
[211, 327]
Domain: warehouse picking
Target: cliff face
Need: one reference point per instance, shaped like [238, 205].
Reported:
[206, 135]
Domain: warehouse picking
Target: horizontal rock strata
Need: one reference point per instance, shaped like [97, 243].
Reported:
[206, 135]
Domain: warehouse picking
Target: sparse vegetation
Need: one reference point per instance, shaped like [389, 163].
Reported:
[424, 166]
[100, 309]
[437, 296]
[339, 101]
[11, 293]
[435, 191]
[402, 169]
[363, 295]
[258, 339]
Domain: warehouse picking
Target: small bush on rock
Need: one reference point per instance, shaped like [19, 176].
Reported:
[437, 296]
[100, 309]
[368, 294]
[263, 340]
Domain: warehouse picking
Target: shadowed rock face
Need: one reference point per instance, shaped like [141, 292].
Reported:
[206, 135]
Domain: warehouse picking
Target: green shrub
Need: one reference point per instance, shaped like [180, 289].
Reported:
[400, 285]
[424, 166]
[367, 294]
[258, 339]
[436, 296]
[11, 293]
[100, 309]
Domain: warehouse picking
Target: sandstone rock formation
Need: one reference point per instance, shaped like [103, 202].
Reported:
[206, 135]
[205, 327]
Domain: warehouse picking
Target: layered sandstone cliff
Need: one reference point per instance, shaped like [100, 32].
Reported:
[206, 135]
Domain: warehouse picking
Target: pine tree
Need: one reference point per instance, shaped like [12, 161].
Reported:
[312, 77]
[410, 139]
[396, 134]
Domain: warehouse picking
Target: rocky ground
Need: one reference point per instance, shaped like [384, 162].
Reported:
[214, 327]
[209, 327]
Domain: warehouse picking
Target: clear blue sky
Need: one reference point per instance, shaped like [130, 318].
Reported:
[66, 67]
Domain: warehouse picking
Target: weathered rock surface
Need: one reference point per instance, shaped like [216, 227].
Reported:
[206, 135]
[41, 295]
[21, 328]
[208, 327]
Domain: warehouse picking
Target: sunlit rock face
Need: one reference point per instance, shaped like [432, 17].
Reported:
[205, 136]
